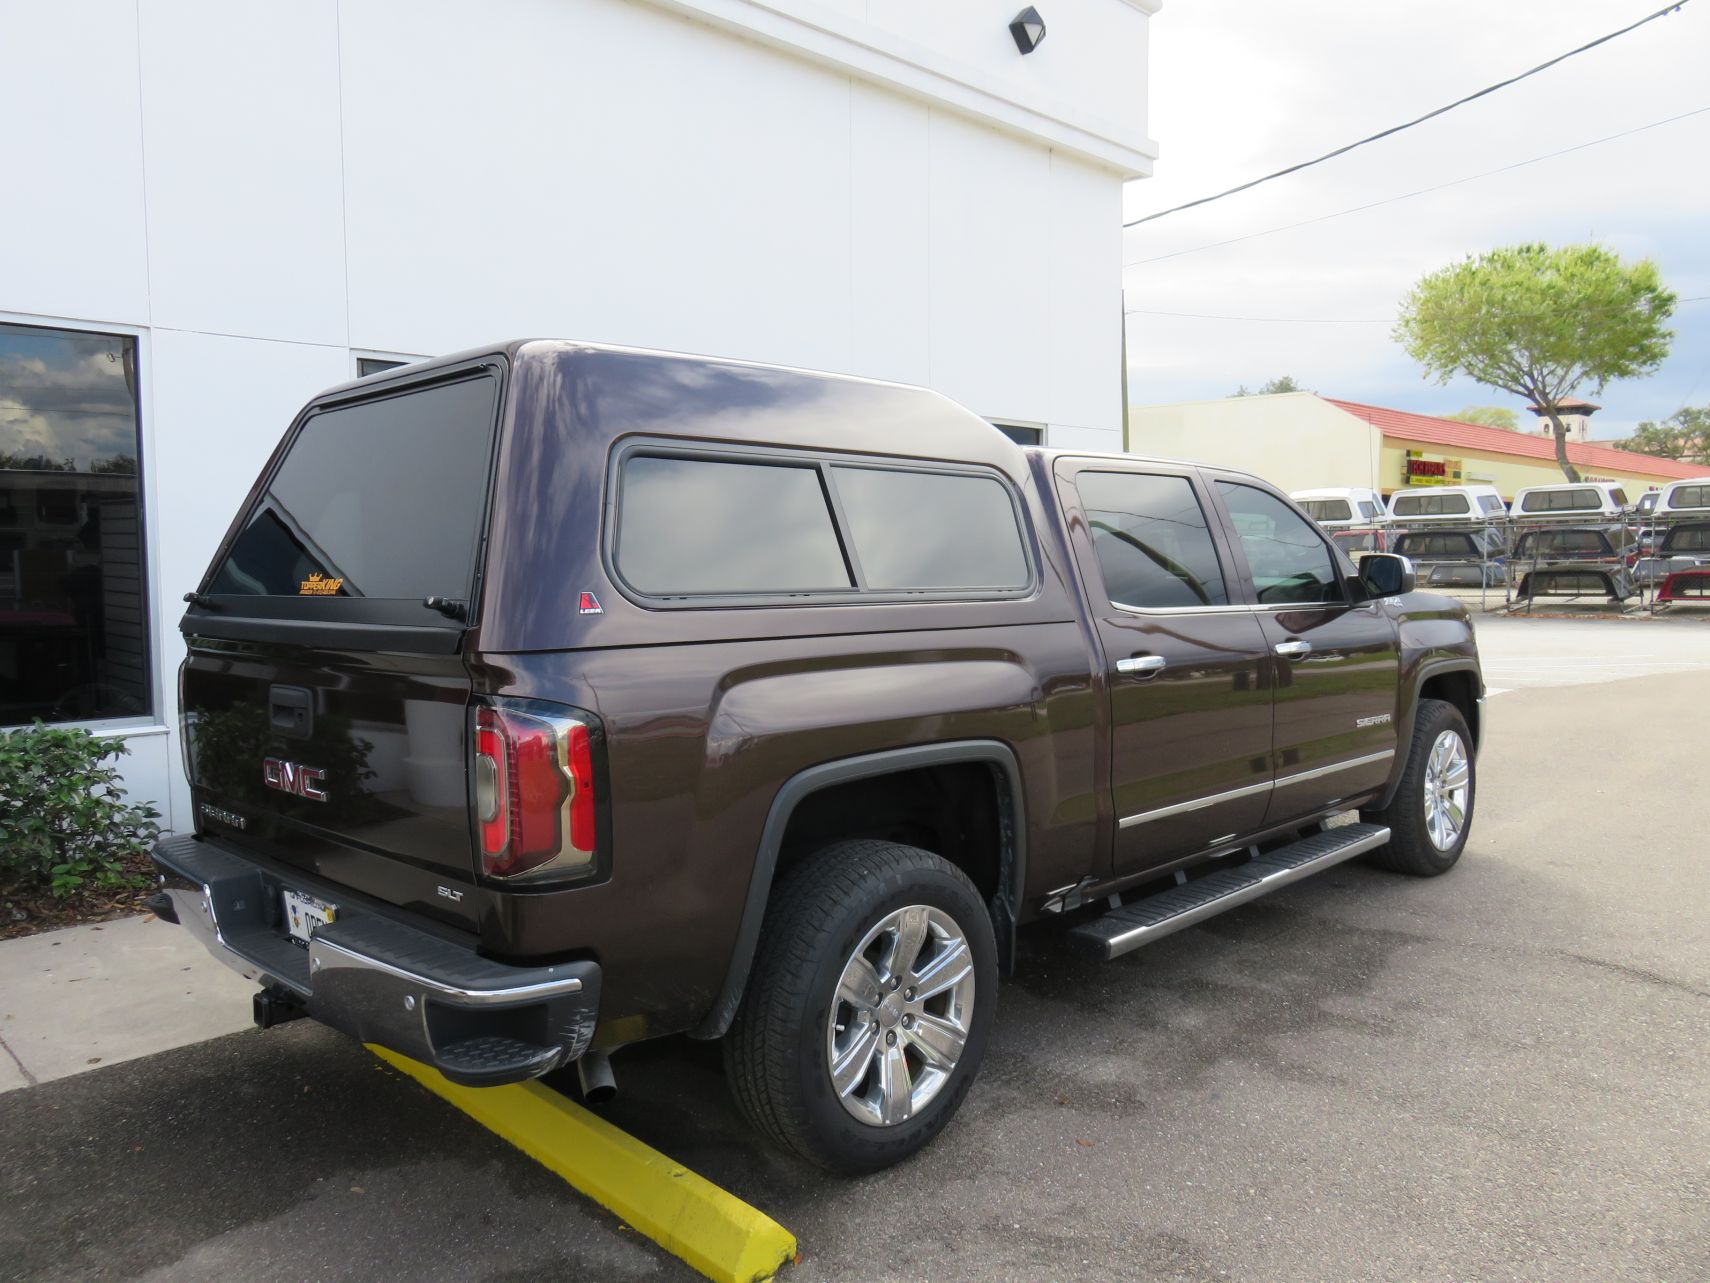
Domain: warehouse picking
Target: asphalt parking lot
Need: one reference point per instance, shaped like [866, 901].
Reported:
[1495, 1075]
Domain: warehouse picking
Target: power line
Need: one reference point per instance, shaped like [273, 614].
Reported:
[1418, 120]
[1362, 320]
[1390, 200]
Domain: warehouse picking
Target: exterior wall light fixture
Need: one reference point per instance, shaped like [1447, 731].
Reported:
[1028, 28]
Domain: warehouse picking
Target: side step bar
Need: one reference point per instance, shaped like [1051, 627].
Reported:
[1123, 930]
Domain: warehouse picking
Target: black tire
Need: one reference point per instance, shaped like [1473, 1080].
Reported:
[1410, 849]
[776, 1053]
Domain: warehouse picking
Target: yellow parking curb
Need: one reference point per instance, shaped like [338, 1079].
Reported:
[687, 1215]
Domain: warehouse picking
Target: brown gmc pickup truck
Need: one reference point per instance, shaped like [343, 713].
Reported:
[547, 698]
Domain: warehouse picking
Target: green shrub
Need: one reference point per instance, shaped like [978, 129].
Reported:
[64, 821]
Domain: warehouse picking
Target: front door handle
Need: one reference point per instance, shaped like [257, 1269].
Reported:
[1294, 649]
[1142, 665]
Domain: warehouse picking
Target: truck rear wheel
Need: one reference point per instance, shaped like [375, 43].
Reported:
[1431, 814]
[868, 1011]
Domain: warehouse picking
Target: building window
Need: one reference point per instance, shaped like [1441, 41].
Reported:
[366, 365]
[1020, 435]
[73, 613]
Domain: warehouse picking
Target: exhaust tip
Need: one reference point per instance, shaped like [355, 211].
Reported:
[594, 1078]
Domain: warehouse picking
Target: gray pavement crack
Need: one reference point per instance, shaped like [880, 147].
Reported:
[22, 1068]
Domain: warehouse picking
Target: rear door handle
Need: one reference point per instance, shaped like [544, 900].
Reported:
[1293, 649]
[1142, 665]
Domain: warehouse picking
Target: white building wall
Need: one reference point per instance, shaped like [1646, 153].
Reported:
[258, 191]
[1294, 440]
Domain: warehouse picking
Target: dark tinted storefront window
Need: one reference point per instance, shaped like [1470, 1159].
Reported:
[73, 621]
[380, 499]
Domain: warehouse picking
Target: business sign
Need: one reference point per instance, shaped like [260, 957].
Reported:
[1421, 469]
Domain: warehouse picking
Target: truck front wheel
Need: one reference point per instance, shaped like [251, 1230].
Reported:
[1431, 813]
[869, 1006]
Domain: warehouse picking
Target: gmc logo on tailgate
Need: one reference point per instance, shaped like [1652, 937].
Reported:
[291, 777]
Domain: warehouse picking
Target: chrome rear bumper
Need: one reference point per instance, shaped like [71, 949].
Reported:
[479, 1022]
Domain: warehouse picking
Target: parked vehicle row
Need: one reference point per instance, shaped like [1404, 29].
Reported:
[1561, 540]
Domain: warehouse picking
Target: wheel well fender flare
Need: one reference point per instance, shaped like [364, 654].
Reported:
[1012, 867]
[1410, 712]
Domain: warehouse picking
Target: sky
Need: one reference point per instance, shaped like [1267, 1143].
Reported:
[65, 396]
[1242, 87]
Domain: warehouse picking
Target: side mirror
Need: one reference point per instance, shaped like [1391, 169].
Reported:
[1384, 574]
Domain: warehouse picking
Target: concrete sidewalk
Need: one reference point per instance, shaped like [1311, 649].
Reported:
[87, 996]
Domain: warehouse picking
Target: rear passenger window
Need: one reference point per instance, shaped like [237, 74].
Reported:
[931, 530]
[698, 526]
[1154, 549]
[1289, 563]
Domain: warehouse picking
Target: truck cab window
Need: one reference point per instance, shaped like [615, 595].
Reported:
[1154, 549]
[1289, 563]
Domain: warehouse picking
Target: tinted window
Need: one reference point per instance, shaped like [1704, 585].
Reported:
[1648, 500]
[1690, 497]
[1580, 499]
[1430, 505]
[1488, 503]
[1619, 496]
[1693, 538]
[1445, 545]
[73, 616]
[1154, 549]
[693, 526]
[1356, 541]
[1540, 543]
[379, 499]
[1368, 509]
[931, 530]
[1328, 509]
[1288, 561]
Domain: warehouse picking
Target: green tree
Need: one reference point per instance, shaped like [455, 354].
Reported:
[1685, 434]
[1539, 323]
[1488, 416]
[1285, 384]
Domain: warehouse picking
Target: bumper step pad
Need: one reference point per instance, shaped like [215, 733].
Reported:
[475, 1061]
[1123, 930]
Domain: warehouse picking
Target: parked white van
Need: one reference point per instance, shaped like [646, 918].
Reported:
[1445, 503]
[1590, 499]
[1685, 497]
[1336, 507]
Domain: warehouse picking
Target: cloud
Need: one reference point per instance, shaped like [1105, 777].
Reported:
[65, 397]
[1241, 87]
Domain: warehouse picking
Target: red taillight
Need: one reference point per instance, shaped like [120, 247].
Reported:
[535, 792]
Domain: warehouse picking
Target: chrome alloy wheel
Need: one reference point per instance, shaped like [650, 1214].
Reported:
[1448, 776]
[901, 1015]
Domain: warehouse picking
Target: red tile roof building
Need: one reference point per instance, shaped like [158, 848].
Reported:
[1587, 456]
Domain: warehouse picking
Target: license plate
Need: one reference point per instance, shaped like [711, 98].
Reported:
[303, 913]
